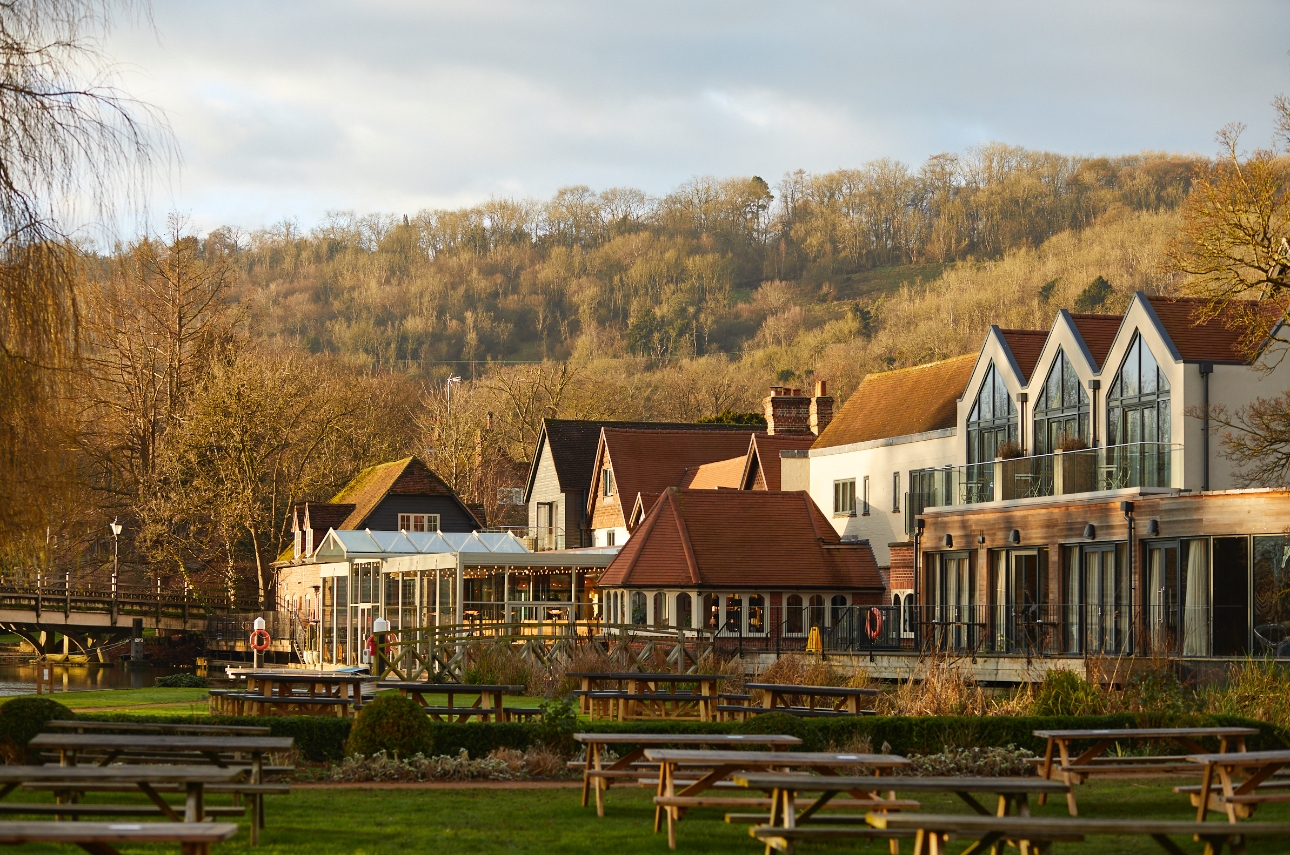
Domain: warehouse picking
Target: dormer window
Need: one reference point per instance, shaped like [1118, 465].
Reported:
[418, 522]
[1061, 412]
[992, 421]
[607, 482]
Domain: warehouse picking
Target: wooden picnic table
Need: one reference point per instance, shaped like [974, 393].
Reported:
[78, 726]
[636, 695]
[596, 774]
[489, 702]
[105, 748]
[837, 699]
[1238, 799]
[716, 767]
[101, 838]
[302, 692]
[1094, 761]
[68, 782]
[1013, 793]
[1037, 834]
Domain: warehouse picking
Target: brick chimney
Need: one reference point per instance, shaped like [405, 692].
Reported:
[788, 412]
[821, 407]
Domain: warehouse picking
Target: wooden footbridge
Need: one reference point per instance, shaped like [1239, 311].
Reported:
[83, 622]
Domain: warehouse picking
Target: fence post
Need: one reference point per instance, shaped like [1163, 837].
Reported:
[680, 650]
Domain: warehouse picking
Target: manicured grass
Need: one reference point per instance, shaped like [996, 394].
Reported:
[152, 701]
[447, 822]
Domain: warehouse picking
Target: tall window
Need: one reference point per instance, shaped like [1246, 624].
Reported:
[992, 421]
[895, 492]
[1061, 413]
[844, 498]
[607, 482]
[1137, 405]
[864, 502]
[1137, 415]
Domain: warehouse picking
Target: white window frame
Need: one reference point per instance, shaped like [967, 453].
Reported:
[427, 522]
[864, 503]
[841, 495]
[607, 483]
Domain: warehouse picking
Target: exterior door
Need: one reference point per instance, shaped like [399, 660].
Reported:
[546, 525]
[1162, 598]
[956, 626]
[1024, 600]
[1106, 599]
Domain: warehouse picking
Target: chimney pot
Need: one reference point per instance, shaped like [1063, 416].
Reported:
[821, 409]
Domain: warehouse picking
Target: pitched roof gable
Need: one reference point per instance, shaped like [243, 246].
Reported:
[1098, 333]
[763, 458]
[703, 538]
[573, 444]
[1026, 346]
[1223, 338]
[368, 488]
[901, 402]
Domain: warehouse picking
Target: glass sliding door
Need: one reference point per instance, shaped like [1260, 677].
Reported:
[955, 623]
[1272, 596]
[1163, 616]
[1231, 596]
[1106, 599]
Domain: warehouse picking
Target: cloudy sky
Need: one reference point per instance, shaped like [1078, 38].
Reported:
[291, 109]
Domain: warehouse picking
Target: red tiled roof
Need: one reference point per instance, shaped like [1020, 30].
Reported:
[720, 473]
[901, 402]
[1219, 339]
[763, 458]
[740, 539]
[1098, 332]
[1026, 345]
[650, 461]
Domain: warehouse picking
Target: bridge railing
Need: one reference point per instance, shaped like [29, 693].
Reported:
[445, 653]
[126, 601]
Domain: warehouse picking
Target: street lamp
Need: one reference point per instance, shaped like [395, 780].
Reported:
[116, 534]
[448, 389]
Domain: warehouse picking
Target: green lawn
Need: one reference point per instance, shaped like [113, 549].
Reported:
[445, 822]
[151, 701]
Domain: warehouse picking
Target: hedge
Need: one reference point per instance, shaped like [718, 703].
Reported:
[323, 739]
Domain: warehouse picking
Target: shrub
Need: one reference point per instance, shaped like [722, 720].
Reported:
[23, 718]
[1067, 693]
[182, 681]
[1255, 688]
[556, 728]
[390, 723]
[995, 762]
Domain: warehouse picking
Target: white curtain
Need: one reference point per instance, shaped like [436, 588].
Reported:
[1156, 594]
[1072, 598]
[1001, 601]
[1196, 601]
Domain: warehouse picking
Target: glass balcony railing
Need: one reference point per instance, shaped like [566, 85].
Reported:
[1062, 473]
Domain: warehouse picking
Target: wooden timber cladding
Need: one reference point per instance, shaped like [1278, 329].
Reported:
[1063, 522]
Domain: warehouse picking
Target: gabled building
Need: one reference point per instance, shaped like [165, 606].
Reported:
[404, 495]
[559, 479]
[748, 562]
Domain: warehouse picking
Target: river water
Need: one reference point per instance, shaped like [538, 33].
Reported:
[21, 679]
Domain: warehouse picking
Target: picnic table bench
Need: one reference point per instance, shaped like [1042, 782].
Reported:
[102, 838]
[1095, 761]
[718, 767]
[68, 782]
[1037, 834]
[628, 767]
[818, 700]
[298, 692]
[1013, 794]
[238, 752]
[636, 695]
[1238, 799]
[489, 702]
[77, 726]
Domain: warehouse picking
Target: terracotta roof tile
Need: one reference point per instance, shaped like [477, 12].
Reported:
[573, 444]
[763, 458]
[713, 476]
[650, 461]
[1026, 345]
[1098, 332]
[1219, 339]
[901, 402]
[705, 538]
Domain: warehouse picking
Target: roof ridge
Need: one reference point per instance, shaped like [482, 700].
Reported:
[691, 562]
[892, 371]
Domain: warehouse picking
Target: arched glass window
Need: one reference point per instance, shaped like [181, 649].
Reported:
[1137, 415]
[734, 613]
[793, 614]
[660, 609]
[838, 607]
[993, 420]
[1061, 412]
[816, 610]
[638, 607]
[712, 611]
[756, 613]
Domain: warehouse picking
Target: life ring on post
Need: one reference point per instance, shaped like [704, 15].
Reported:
[260, 640]
[873, 624]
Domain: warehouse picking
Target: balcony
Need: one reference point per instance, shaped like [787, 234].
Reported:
[1062, 473]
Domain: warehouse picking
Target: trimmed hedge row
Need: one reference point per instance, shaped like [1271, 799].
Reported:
[323, 739]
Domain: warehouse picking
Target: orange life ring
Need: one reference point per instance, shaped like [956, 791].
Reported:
[873, 624]
[260, 640]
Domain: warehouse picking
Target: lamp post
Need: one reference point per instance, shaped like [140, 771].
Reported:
[116, 534]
